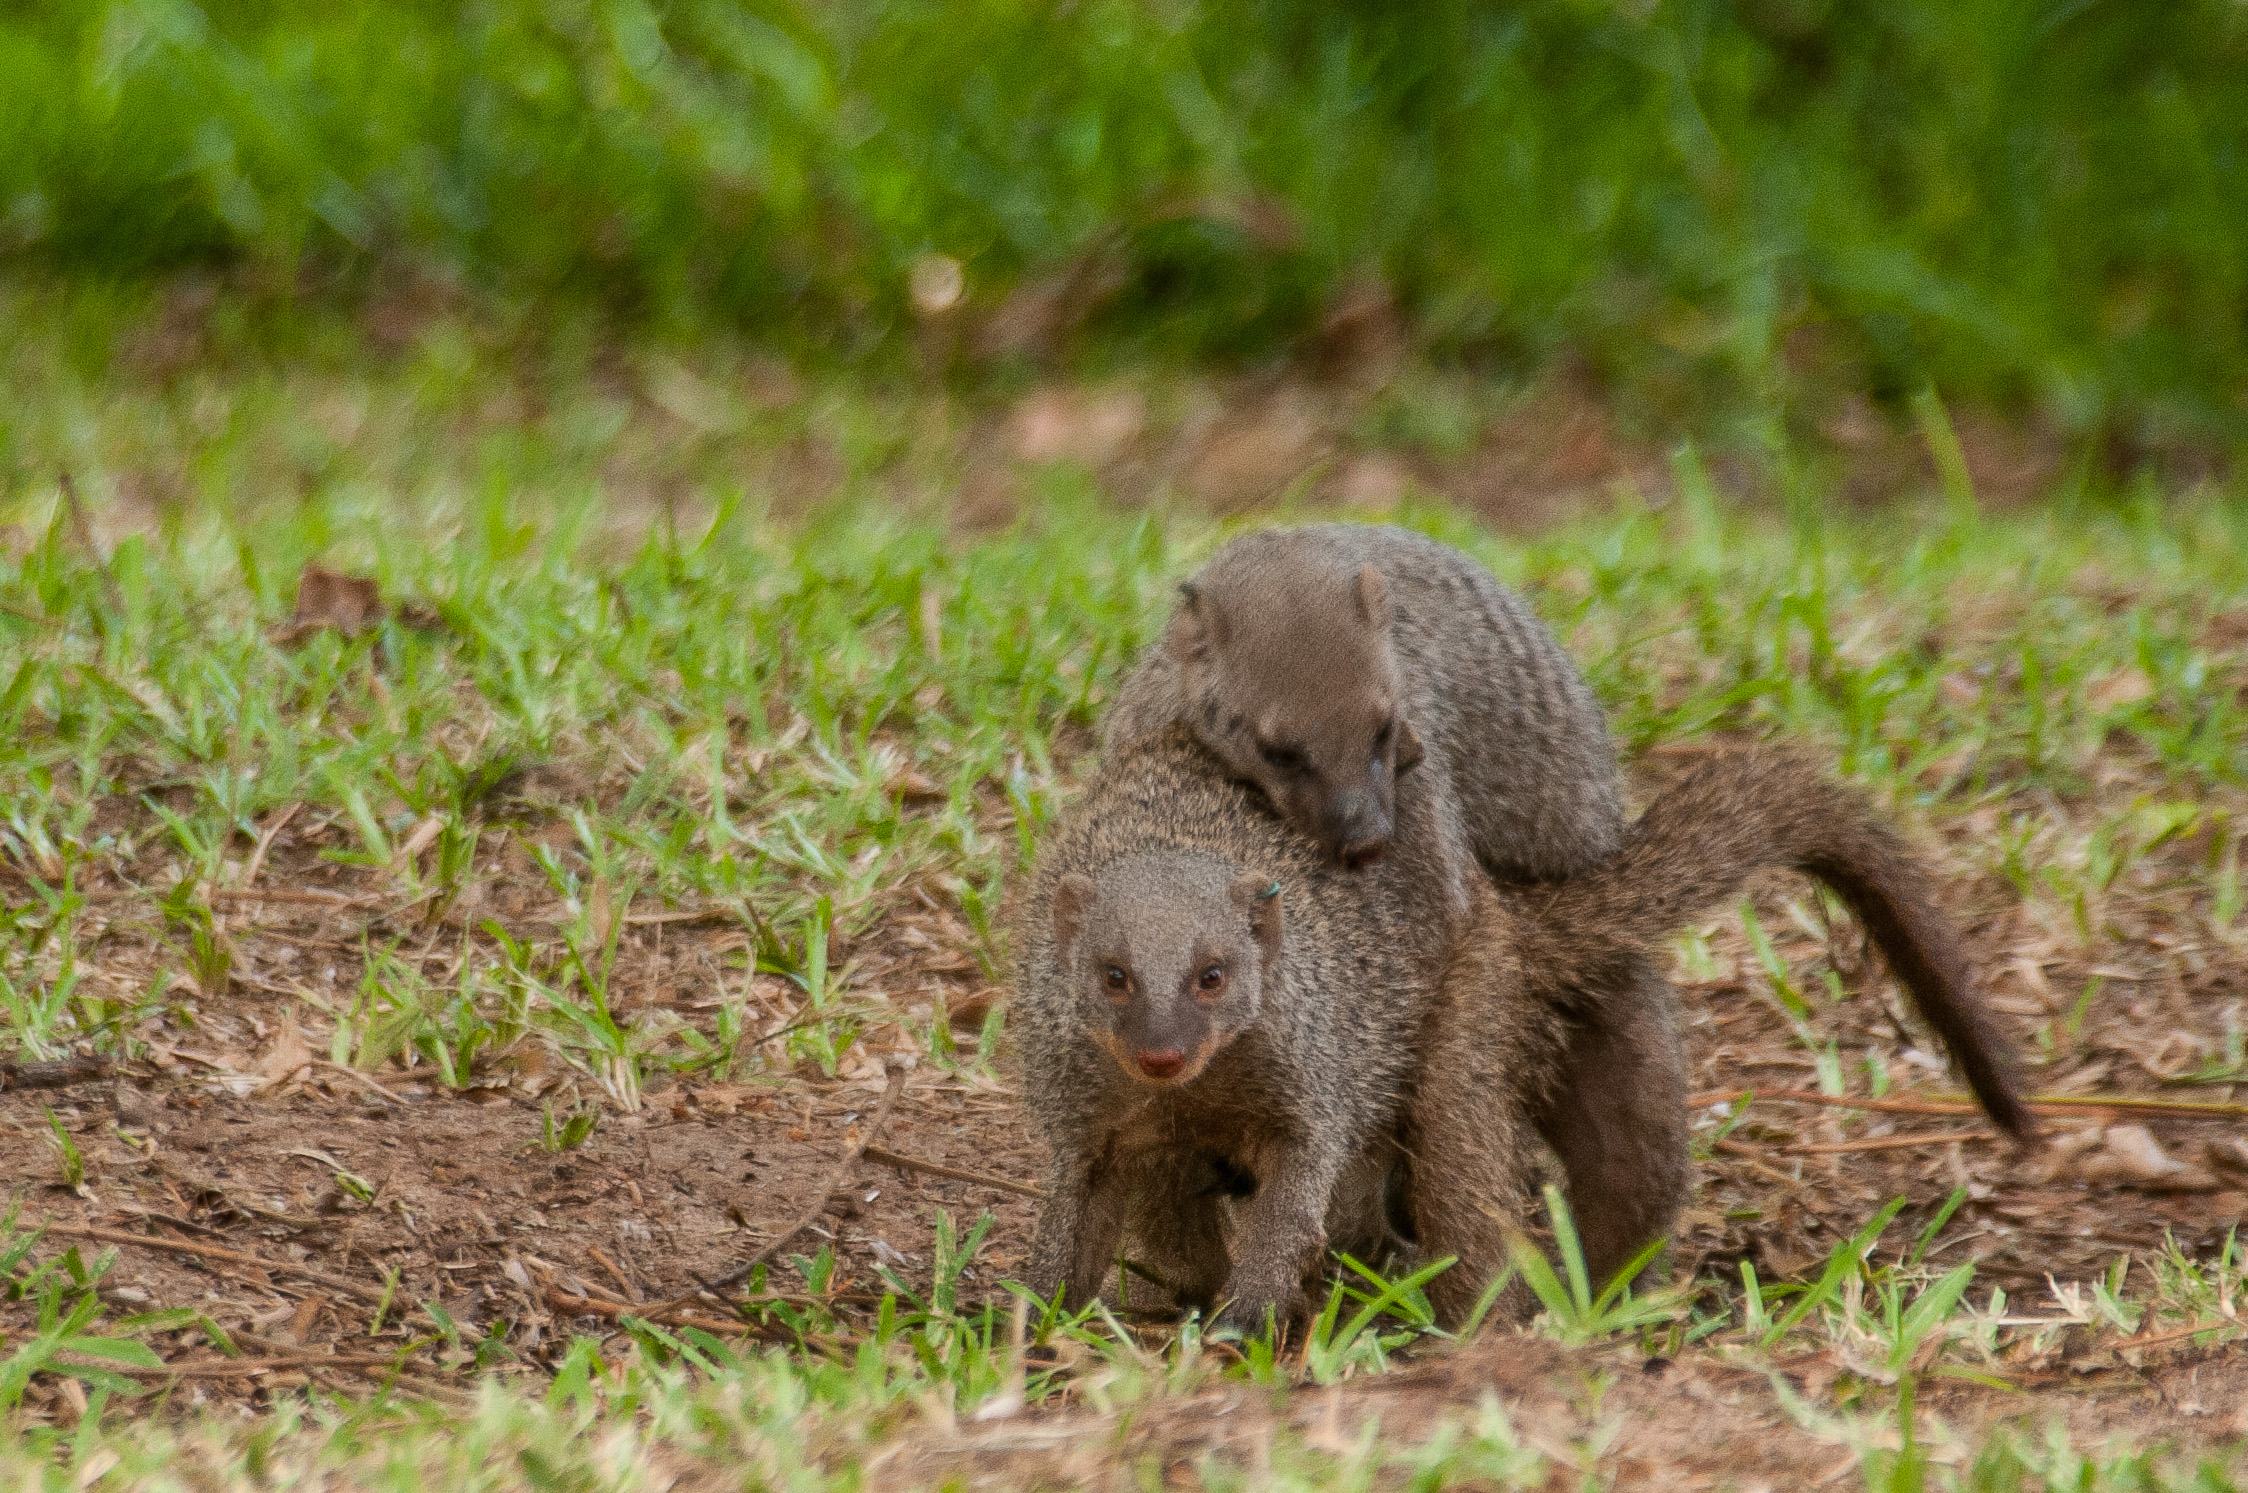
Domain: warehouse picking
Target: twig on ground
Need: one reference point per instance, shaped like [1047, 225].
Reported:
[616, 1273]
[59, 1074]
[285, 894]
[1754, 1157]
[229, 1368]
[360, 1078]
[2158, 1339]
[950, 1173]
[843, 1164]
[665, 1314]
[680, 915]
[273, 827]
[334, 1282]
[1885, 1143]
[1949, 1104]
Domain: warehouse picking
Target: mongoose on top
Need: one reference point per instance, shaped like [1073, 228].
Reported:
[1322, 662]
[1236, 1058]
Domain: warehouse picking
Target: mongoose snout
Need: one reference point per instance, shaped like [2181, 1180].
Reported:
[1359, 821]
[1163, 1065]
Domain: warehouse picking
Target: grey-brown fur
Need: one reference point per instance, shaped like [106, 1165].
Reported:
[1504, 1041]
[1308, 1051]
[1496, 758]
[1293, 652]
[1328, 1038]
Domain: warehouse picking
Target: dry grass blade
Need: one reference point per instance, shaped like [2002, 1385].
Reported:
[950, 1173]
[568, 1304]
[85, 535]
[1947, 1104]
[1886, 1143]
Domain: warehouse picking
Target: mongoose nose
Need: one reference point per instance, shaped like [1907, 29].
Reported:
[1359, 854]
[1167, 1062]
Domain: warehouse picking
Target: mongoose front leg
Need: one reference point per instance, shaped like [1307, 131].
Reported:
[1078, 1231]
[1281, 1235]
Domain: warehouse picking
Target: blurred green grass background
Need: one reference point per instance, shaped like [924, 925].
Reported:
[2038, 206]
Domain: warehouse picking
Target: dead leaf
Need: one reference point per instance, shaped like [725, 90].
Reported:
[2125, 686]
[936, 283]
[285, 1056]
[2228, 1155]
[1089, 427]
[1250, 455]
[2131, 1157]
[307, 1313]
[1374, 481]
[915, 786]
[423, 835]
[970, 1014]
[349, 604]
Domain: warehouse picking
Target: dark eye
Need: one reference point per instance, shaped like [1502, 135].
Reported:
[1212, 978]
[1116, 980]
[1282, 759]
[1381, 737]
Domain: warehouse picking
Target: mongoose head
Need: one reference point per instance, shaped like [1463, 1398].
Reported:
[1168, 955]
[1293, 682]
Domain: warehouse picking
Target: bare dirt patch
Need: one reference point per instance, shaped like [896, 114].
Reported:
[351, 1192]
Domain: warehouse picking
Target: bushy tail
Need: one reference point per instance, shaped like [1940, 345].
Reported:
[1742, 812]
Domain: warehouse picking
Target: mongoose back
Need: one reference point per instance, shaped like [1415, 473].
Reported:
[1540, 958]
[1320, 663]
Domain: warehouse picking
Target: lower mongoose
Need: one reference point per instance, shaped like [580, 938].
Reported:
[1222, 1029]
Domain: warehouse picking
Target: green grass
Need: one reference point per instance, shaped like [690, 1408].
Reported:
[705, 700]
[1716, 206]
[722, 711]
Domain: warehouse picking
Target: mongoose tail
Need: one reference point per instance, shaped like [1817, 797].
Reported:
[1744, 811]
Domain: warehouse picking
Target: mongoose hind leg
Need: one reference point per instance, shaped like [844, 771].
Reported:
[1469, 1133]
[1616, 1114]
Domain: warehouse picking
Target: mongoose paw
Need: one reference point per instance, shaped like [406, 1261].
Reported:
[1254, 1314]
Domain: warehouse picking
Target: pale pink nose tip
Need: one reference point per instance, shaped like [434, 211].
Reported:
[1168, 1063]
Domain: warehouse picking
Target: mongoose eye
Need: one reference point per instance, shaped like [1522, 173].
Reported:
[1282, 759]
[1212, 979]
[1117, 981]
[1381, 737]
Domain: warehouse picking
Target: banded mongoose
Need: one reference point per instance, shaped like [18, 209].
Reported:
[1222, 1028]
[1322, 662]
[1539, 958]
[1386, 694]
[1209, 1007]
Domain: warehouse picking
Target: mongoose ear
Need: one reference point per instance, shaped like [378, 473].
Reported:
[1197, 628]
[1373, 599]
[1258, 896]
[1073, 898]
[1408, 745]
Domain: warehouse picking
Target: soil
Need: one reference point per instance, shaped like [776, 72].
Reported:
[352, 1190]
